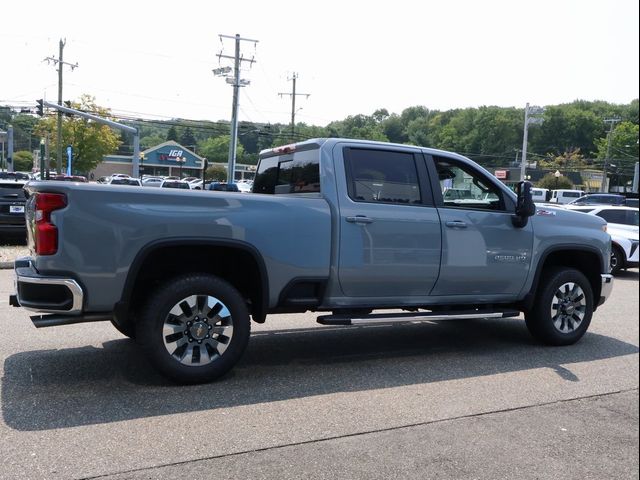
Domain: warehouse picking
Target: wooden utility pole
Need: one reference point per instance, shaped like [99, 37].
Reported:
[60, 63]
[293, 103]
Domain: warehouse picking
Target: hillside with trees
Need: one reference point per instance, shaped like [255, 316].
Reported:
[573, 136]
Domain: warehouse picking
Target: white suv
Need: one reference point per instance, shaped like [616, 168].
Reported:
[622, 225]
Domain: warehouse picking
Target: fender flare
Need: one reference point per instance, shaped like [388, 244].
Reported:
[122, 307]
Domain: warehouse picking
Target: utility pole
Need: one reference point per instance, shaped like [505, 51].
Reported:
[237, 82]
[60, 63]
[611, 122]
[531, 116]
[293, 103]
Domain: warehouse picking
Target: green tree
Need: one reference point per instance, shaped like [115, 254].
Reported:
[187, 139]
[172, 134]
[552, 183]
[22, 161]
[90, 140]
[217, 149]
[624, 142]
[151, 141]
[217, 173]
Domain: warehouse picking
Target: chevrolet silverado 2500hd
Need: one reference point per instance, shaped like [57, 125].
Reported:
[341, 227]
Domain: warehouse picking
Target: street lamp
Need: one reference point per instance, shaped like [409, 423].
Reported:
[181, 161]
[557, 175]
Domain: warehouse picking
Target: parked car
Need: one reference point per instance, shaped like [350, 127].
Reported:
[599, 199]
[622, 225]
[565, 196]
[175, 184]
[68, 178]
[540, 195]
[12, 203]
[223, 187]
[133, 182]
[152, 181]
[196, 184]
[631, 202]
[244, 187]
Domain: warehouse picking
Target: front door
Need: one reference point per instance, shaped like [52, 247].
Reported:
[483, 254]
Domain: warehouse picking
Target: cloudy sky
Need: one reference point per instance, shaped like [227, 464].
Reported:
[154, 59]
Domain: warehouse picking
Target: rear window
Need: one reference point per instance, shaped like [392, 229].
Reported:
[297, 172]
[571, 194]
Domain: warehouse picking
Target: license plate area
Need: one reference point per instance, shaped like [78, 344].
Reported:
[16, 208]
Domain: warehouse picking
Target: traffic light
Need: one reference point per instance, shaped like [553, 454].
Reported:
[40, 108]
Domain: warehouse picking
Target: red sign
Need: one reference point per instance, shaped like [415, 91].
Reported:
[502, 174]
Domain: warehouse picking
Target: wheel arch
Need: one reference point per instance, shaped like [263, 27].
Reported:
[583, 258]
[238, 262]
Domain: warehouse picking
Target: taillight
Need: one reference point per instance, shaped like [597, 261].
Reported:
[46, 235]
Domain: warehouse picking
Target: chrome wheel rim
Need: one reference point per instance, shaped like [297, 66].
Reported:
[197, 330]
[614, 260]
[568, 307]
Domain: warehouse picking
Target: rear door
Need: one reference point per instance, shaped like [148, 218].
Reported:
[390, 239]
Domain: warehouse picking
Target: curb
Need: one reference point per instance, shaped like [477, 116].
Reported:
[6, 265]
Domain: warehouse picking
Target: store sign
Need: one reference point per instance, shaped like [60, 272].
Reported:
[172, 155]
[502, 174]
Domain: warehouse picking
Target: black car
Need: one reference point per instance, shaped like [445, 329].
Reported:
[223, 187]
[12, 201]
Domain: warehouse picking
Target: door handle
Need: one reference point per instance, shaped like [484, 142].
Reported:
[359, 219]
[456, 224]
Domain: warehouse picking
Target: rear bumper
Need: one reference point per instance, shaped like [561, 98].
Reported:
[45, 294]
[607, 287]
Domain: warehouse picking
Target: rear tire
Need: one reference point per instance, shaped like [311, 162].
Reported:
[194, 328]
[563, 307]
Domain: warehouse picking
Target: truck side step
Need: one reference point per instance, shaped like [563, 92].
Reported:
[378, 318]
[56, 319]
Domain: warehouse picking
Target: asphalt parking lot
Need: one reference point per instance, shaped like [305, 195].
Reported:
[465, 399]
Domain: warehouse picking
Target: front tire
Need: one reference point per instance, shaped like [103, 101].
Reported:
[194, 328]
[563, 307]
[617, 259]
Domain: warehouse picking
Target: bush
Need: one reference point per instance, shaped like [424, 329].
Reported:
[552, 183]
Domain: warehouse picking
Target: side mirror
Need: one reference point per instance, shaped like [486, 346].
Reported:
[525, 207]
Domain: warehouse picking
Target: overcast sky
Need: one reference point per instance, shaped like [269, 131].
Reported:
[153, 59]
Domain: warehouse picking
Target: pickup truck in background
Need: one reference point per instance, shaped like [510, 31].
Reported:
[355, 230]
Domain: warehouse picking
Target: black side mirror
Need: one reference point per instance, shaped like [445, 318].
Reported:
[525, 207]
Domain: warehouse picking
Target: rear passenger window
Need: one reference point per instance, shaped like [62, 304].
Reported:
[382, 176]
[289, 173]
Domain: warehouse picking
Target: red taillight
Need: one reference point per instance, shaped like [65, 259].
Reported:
[46, 235]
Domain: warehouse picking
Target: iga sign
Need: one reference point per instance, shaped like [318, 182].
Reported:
[172, 155]
[502, 174]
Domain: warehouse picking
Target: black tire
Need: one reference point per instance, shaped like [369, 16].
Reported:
[617, 259]
[563, 307]
[128, 330]
[206, 334]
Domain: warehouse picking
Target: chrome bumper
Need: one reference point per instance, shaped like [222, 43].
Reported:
[607, 287]
[46, 294]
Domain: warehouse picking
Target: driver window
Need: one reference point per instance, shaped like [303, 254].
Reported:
[466, 189]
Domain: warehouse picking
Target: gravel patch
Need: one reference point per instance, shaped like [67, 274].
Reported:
[9, 251]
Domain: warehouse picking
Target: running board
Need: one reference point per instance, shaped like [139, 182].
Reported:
[56, 319]
[411, 317]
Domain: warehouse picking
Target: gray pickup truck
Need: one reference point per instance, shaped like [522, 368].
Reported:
[355, 230]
